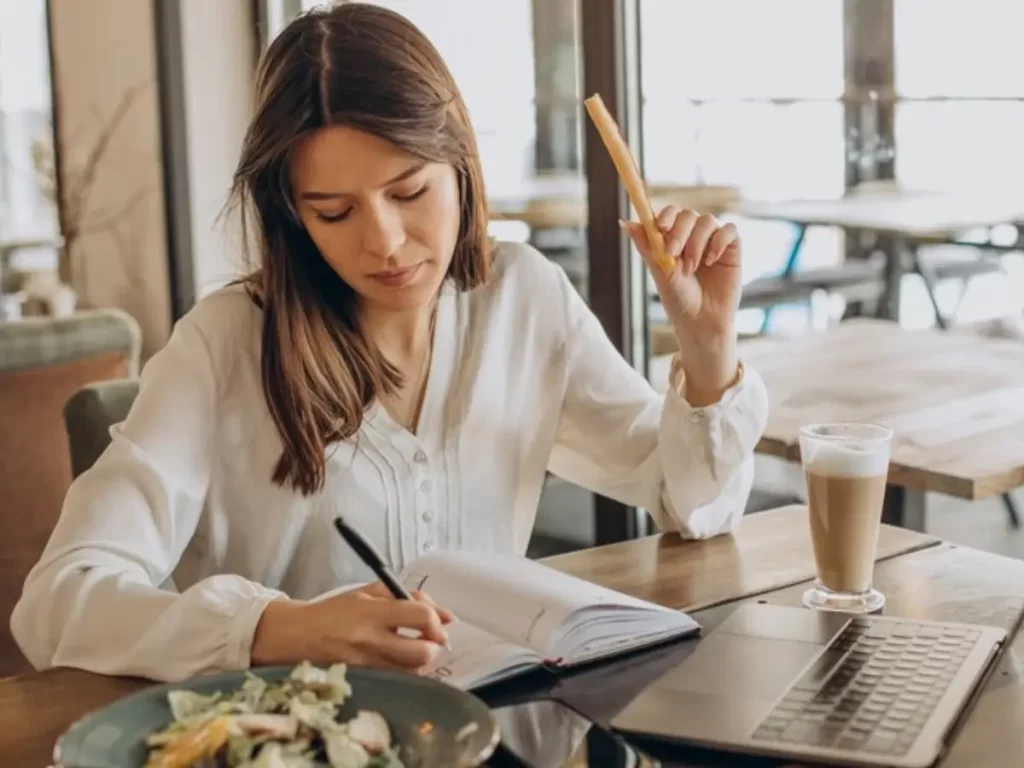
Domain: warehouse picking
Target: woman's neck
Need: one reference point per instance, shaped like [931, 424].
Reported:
[402, 337]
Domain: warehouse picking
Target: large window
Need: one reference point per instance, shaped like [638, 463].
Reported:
[747, 93]
[26, 131]
[757, 107]
[960, 84]
[959, 118]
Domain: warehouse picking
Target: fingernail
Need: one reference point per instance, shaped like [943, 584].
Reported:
[674, 246]
[623, 225]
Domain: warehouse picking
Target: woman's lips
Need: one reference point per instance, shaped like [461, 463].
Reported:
[396, 278]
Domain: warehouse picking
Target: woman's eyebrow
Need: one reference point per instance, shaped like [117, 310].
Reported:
[412, 170]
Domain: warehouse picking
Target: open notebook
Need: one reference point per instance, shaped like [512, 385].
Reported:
[514, 615]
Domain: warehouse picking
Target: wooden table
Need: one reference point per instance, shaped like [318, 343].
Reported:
[909, 218]
[559, 201]
[770, 551]
[955, 402]
[926, 215]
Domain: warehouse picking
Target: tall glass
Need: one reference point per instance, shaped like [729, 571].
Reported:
[846, 466]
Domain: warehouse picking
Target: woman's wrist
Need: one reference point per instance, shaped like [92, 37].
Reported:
[710, 367]
[278, 638]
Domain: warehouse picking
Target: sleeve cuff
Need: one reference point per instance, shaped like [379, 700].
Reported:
[729, 430]
[676, 390]
[239, 645]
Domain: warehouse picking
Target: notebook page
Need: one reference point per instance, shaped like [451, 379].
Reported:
[519, 600]
[601, 636]
[478, 657]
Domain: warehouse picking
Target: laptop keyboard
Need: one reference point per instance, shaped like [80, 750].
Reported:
[872, 690]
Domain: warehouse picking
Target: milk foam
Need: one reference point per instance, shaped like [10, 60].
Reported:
[847, 460]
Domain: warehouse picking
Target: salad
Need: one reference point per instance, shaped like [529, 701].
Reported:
[295, 723]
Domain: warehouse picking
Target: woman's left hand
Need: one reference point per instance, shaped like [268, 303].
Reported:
[700, 293]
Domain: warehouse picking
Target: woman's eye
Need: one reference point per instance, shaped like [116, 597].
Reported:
[332, 218]
[412, 196]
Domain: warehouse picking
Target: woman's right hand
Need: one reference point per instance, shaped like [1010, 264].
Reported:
[358, 627]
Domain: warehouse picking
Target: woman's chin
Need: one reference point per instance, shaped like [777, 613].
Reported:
[403, 298]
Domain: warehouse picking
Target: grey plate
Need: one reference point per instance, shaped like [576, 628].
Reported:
[114, 737]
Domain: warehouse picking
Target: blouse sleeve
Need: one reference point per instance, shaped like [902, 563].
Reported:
[690, 468]
[93, 600]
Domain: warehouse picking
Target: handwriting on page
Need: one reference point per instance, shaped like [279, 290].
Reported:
[475, 656]
[440, 672]
[531, 626]
[416, 581]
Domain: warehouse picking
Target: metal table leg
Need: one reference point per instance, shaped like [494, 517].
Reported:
[894, 269]
[930, 283]
[1011, 511]
[904, 508]
[787, 270]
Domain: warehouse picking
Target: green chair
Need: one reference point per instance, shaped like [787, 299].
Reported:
[90, 413]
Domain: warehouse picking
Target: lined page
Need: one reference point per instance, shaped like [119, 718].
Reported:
[477, 657]
[517, 599]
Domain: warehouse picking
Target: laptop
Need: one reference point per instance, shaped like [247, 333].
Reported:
[816, 686]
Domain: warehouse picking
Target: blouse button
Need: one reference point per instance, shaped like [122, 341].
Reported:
[427, 546]
[428, 516]
[426, 486]
[420, 457]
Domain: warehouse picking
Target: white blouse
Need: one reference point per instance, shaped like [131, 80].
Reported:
[523, 381]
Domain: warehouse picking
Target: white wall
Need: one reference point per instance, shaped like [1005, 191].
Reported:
[218, 50]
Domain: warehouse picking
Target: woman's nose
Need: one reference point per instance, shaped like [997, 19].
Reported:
[384, 231]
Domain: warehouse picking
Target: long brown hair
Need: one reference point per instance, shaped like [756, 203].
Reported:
[363, 66]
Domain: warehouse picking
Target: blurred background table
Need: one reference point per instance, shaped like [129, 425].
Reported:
[954, 400]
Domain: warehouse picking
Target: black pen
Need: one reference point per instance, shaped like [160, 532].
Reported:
[373, 560]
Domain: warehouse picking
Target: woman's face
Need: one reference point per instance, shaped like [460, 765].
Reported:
[383, 219]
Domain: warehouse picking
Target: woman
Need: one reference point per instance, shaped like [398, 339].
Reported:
[385, 362]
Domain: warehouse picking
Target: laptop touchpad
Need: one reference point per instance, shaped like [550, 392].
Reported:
[735, 675]
[726, 686]
[745, 666]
